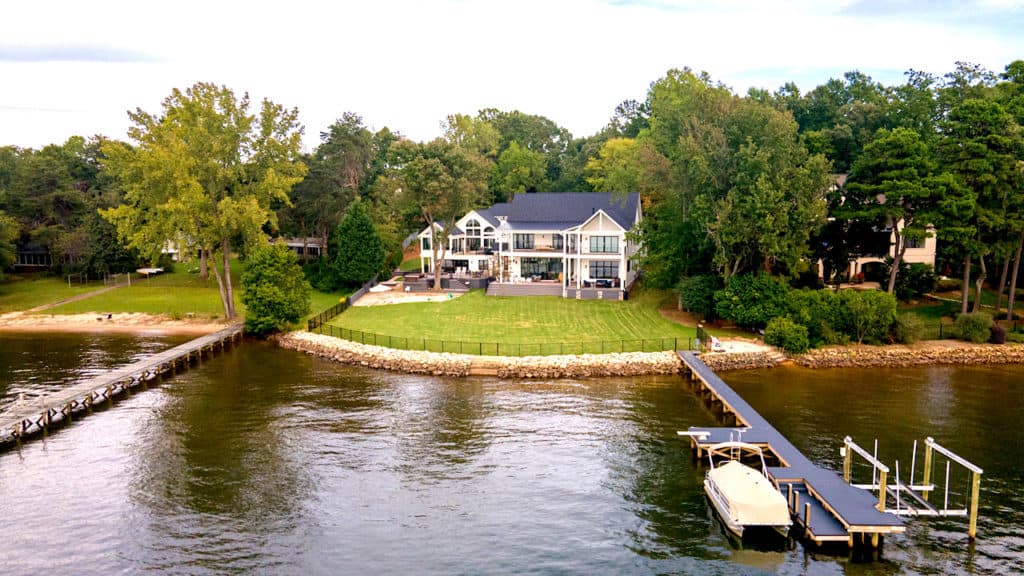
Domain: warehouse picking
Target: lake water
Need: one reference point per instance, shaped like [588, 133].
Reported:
[272, 462]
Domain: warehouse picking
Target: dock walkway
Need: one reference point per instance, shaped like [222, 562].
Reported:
[823, 505]
[27, 417]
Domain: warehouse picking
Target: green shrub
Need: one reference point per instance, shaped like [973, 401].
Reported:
[1015, 337]
[997, 334]
[948, 285]
[822, 313]
[974, 327]
[908, 328]
[786, 334]
[697, 294]
[751, 300]
[871, 314]
[276, 293]
[166, 262]
[914, 280]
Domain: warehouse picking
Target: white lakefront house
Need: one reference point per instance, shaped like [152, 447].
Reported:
[571, 244]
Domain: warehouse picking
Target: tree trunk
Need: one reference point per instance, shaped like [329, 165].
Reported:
[230, 294]
[323, 240]
[982, 274]
[966, 287]
[438, 259]
[204, 272]
[220, 290]
[1002, 284]
[1013, 278]
[901, 249]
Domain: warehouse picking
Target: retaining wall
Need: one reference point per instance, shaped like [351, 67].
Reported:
[922, 354]
[447, 364]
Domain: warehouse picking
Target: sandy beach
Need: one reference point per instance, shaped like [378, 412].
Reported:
[124, 323]
[398, 297]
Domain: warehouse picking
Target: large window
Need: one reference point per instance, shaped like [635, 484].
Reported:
[604, 244]
[604, 270]
[556, 241]
[523, 241]
[542, 268]
[425, 242]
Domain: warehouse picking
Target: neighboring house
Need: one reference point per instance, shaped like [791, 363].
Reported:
[305, 248]
[922, 252]
[31, 256]
[574, 243]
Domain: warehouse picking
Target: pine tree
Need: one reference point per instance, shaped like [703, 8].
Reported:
[359, 251]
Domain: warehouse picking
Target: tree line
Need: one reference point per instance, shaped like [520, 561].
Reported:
[731, 185]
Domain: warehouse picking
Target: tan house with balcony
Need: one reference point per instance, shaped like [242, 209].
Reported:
[572, 244]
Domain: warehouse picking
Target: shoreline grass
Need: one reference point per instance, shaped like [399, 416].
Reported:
[19, 293]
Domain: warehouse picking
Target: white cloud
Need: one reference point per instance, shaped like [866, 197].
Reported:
[408, 64]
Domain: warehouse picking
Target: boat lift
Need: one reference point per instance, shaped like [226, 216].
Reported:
[913, 499]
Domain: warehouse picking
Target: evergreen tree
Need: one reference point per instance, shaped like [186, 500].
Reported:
[359, 252]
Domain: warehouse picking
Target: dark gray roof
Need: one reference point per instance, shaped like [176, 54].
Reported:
[557, 208]
[542, 225]
[491, 214]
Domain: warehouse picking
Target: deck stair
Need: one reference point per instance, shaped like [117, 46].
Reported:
[485, 366]
[524, 289]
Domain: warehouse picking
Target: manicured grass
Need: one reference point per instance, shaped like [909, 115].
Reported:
[177, 294]
[320, 301]
[410, 265]
[513, 326]
[177, 303]
[24, 292]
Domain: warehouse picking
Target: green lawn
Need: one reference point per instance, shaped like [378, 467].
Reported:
[410, 265]
[178, 294]
[174, 295]
[512, 326]
[24, 292]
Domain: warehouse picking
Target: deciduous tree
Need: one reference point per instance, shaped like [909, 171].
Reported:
[443, 181]
[204, 171]
[9, 232]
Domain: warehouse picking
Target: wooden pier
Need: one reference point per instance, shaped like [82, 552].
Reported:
[824, 507]
[26, 418]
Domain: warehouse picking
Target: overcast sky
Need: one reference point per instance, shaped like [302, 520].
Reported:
[75, 67]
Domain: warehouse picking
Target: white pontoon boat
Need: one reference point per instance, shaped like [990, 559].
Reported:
[743, 496]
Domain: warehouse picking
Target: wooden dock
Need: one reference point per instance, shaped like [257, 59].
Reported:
[26, 418]
[824, 507]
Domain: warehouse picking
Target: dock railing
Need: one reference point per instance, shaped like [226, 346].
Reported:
[913, 499]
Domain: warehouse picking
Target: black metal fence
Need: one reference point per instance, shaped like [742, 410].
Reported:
[320, 319]
[506, 348]
[949, 331]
